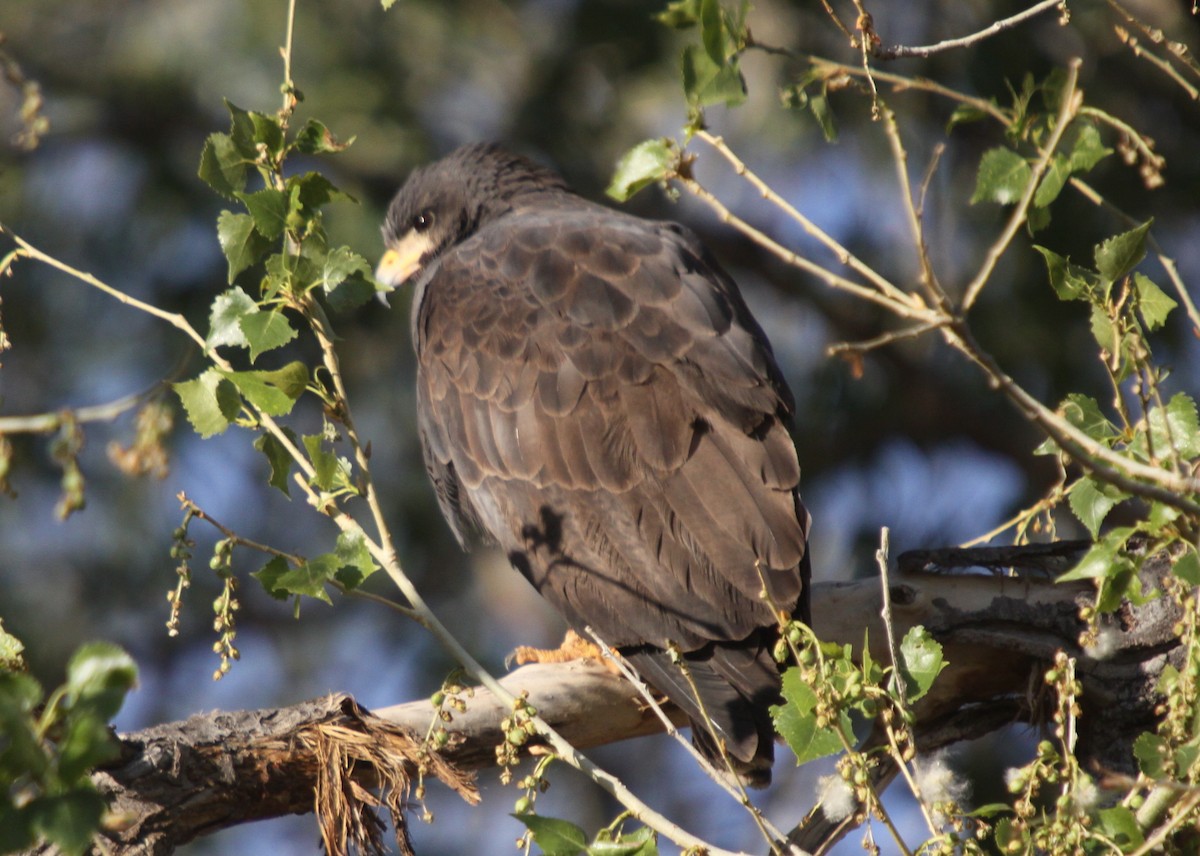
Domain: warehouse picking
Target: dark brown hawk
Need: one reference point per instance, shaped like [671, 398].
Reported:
[594, 396]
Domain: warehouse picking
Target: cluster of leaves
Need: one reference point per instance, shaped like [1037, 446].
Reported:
[51, 744]
[279, 238]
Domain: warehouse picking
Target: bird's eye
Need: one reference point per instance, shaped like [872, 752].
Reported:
[422, 221]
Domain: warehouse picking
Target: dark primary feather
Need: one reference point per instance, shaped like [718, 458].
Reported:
[595, 397]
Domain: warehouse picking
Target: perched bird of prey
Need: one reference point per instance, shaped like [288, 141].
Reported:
[594, 397]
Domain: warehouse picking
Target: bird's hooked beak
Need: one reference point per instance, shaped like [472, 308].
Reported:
[401, 261]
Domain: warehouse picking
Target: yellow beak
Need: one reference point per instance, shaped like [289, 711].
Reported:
[402, 260]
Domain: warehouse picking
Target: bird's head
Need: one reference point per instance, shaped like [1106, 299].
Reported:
[445, 202]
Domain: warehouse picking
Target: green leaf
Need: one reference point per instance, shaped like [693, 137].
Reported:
[555, 837]
[1069, 281]
[224, 318]
[1103, 559]
[268, 132]
[16, 836]
[273, 392]
[265, 331]
[963, 114]
[706, 82]
[1187, 568]
[646, 163]
[387, 4]
[1102, 328]
[920, 661]
[1153, 303]
[354, 559]
[69, 819]
[338, 265]
[680, 14]
[242, 131]
[1002, 177]
[99, 674]
[314, 190]
[330, 470]
[818, 105]
[1053, 181]
[269, 210]
[712, 30]
[1178, 427]
[280, 460]
[315, 139]
[641, 842]
[241, 242]
[1121, 253]
[1091, 500]
[307, 579]
[1151, 752]
[1120, 824]
[210, 401]
[796, 721]
[86, 742]
[1088, 149]
[1083, 412]
[222, 166]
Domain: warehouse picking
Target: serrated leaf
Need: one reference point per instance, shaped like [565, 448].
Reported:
[329, 472]
[314, 190]
[241, 130]
[818, 105]
[273, 392]
[309, 578]
[11, 652]
[338, 265]
[1091, 500]
[316, 139]
[1121, 253]
[222, 166]
[266, 331]
[269, 210]
[267, 131]
[1088, 149]
[279, 459]
[1153, 303]
[1084, 413]
[646, 163]
[1069, 281]
[1151, 752]
[920, 661]
[355, 563]
[705, 82]
[210, 401]
[555, 837]
[1002, 177]
[68, 820]
[642, 842]
[1104, 557]
[241, 242]
[796, 722]
[1177, 427]
[228, 309]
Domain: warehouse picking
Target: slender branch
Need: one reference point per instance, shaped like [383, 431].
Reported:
[847, 258]
[47, 423]
[923, 51]
[858, 348]
[173, 318]
[1072, 99]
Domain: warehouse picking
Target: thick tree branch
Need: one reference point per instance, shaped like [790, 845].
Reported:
[179, 781]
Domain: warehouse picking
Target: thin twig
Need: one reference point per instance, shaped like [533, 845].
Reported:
[858, 348]
[847, 258]
[923, 51]
[48, 423]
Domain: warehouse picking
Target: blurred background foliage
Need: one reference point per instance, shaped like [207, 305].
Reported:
[131, 89]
